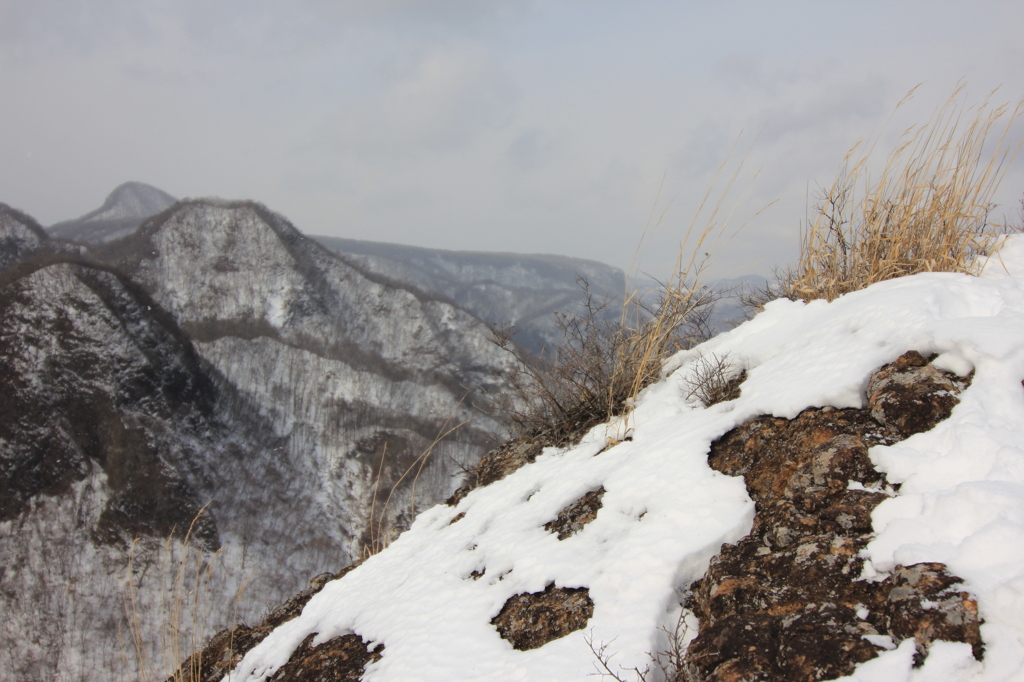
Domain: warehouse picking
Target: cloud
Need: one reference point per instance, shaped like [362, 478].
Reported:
[440, 100]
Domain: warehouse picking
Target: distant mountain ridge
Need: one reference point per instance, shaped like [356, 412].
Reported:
[520, 289]
[121, 214]
[21, 237]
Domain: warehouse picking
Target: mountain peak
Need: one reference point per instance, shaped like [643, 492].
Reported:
[121, 213]
[131, 200]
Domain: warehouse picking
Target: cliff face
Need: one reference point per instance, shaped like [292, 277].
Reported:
[355, 375]
[854, 511]
[113, 429]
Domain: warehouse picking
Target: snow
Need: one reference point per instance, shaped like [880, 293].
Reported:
[666, 513]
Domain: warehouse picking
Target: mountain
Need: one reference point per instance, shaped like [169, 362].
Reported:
[852, 508]
[214, 360]
[357, 374]
[121, 214]
[114, 434]
[522, 289]
[21, 237]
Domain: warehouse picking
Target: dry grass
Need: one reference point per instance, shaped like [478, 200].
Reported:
[606, 358]
[713, 380]
[601, 364]
[381, 528]
[184, 606]
[669, 665]
[928, 211]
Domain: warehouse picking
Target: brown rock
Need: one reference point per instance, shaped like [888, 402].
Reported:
[228, 646]
[578, 514]
[341, 659]
[910, 396]
[784, 603]
[221, 655]
[499, 463]
[924, 602]
[531, 620]
[502, 461]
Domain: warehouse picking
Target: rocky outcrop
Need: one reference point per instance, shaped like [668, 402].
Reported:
[531, 620]
[790, 600]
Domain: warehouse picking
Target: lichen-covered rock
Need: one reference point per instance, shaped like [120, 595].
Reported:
[499, 463]
[341, 659]
[531, 620]
[786, 602]
[925, 602]
[910, 396]
[502, 461]
[578, 514]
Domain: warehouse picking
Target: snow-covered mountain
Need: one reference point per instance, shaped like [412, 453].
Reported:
[112, 429]
[121, 214]
[499, 288]
[21, 237]
[217, 358]
[358, 375]
[857, 510]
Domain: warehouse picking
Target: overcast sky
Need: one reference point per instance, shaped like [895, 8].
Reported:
[542, 127]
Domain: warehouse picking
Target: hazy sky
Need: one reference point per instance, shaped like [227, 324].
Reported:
[504, 125]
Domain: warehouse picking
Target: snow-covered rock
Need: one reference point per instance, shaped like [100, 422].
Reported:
[112, 429]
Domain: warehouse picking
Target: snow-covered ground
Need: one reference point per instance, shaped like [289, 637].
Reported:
[666, 513]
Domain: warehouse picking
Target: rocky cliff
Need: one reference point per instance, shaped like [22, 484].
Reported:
[357, 375]
[113, 429]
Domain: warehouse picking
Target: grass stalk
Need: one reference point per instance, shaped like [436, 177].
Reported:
[929, 209]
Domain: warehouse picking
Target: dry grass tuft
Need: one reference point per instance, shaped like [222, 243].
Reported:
[606, 359]
[928, 211]
[601, 364]
[714, 380]
[185, 575]
[381, 525]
